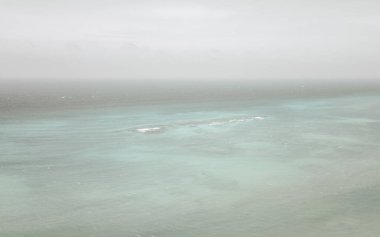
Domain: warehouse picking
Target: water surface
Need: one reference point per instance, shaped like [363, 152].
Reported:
[297, 166]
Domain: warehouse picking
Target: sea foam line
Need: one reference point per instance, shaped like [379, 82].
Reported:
[200, 123]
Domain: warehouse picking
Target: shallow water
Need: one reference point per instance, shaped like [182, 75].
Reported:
[294, 167]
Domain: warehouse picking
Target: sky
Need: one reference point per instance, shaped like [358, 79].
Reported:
[214, 39]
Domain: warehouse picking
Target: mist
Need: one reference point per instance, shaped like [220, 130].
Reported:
[209, 118]
[189, 39]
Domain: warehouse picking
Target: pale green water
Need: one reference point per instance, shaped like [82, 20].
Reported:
[301, 167]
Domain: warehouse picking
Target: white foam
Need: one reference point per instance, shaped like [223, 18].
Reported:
[236, 120]
[260, 118]
[216, 123]
[144, 130]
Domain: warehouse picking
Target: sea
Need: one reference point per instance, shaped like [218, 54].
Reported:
[174, 158]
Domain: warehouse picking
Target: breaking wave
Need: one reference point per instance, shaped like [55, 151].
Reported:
[198, 123]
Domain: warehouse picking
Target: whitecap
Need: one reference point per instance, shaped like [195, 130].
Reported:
[216, 123]
[145, 130]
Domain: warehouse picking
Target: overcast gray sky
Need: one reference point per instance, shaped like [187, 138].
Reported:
[190, 39]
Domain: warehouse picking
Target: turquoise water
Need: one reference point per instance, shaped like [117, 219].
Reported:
[294, 167]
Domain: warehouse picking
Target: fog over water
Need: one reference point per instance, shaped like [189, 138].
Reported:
[190, 158]
[72, 93]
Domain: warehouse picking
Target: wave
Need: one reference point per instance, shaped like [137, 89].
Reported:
[148, 130]
[235, 120]
[198, 123]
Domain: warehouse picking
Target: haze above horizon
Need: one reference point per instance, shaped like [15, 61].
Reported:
[189, 39]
